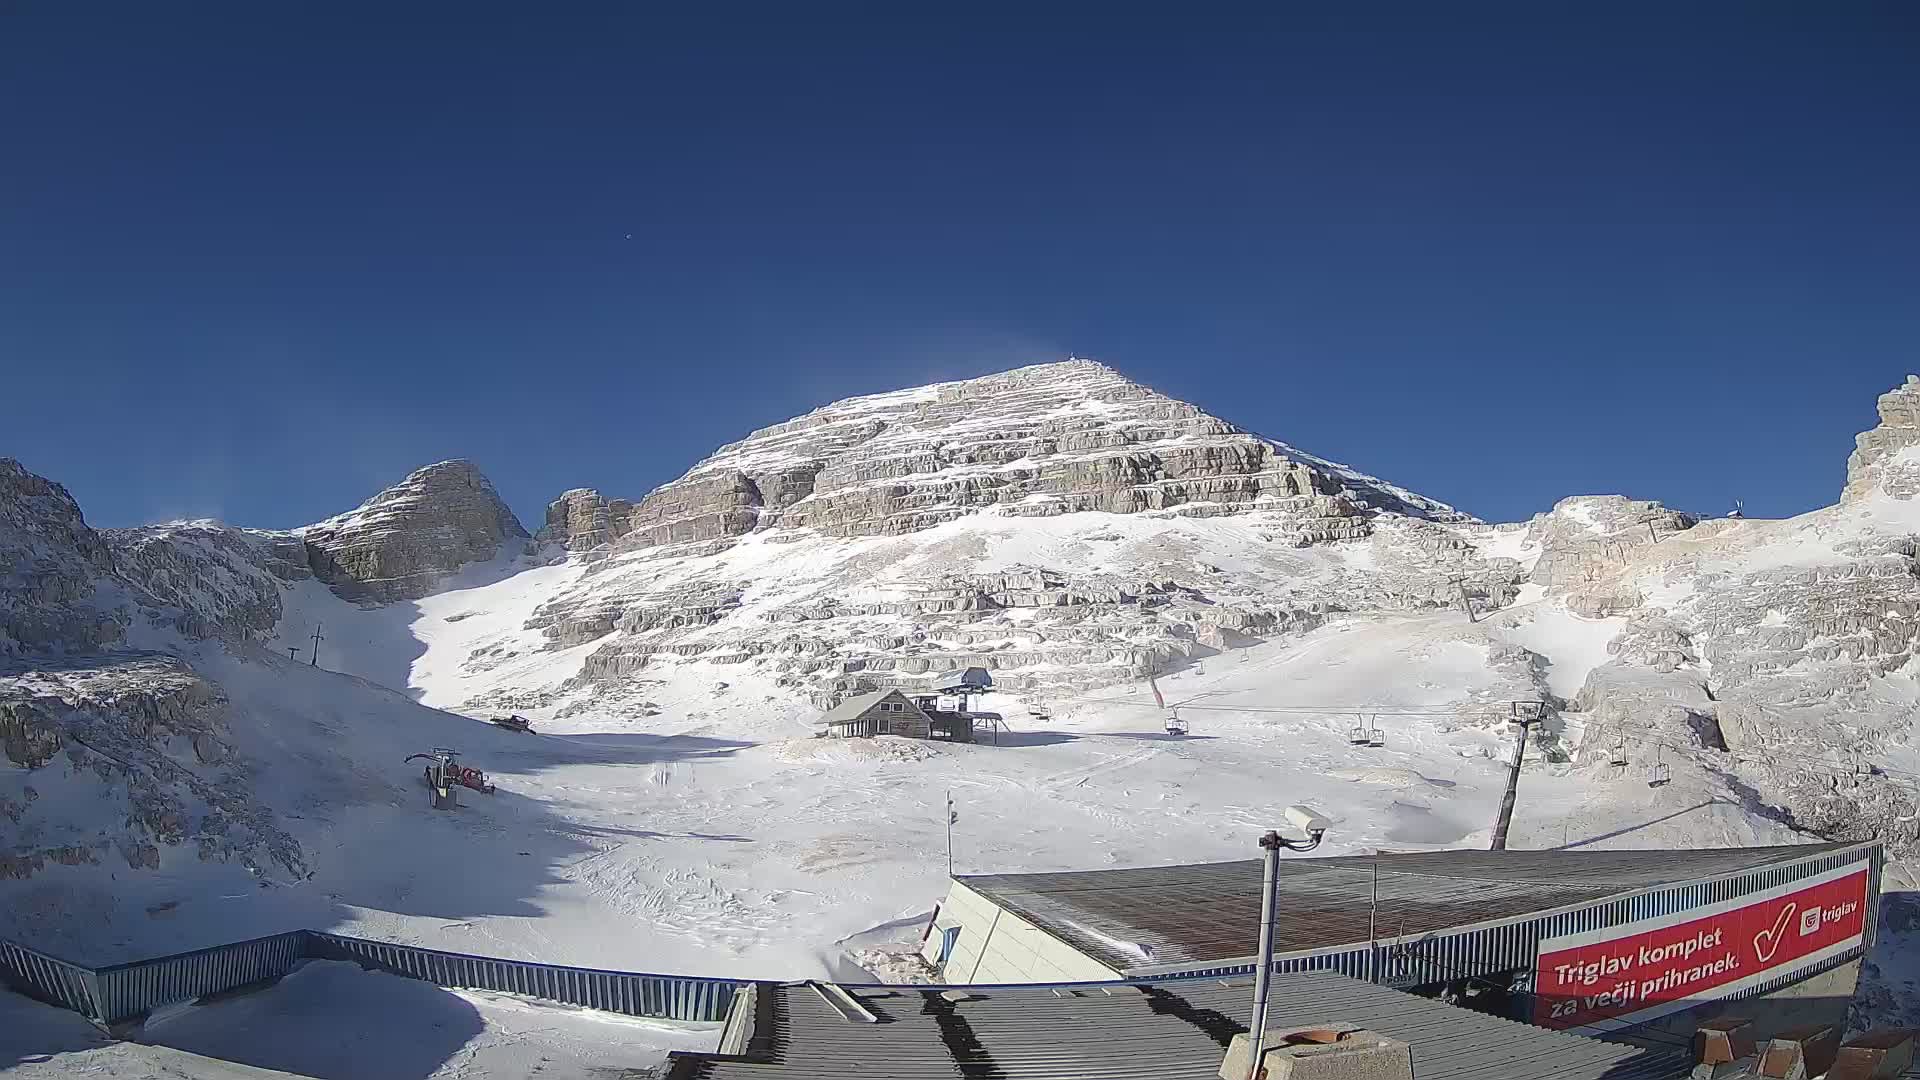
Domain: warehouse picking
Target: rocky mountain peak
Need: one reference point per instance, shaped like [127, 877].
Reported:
[1036, 441]
[1877, 463]
[50, 565]
[396, 545]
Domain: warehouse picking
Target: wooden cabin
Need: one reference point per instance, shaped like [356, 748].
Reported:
[883, 712]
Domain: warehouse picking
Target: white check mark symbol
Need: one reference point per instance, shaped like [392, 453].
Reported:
[1771, 938]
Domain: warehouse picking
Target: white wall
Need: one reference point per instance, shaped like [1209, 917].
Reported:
[997, 946]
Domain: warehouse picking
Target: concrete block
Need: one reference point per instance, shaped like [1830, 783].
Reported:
[1321, 1052]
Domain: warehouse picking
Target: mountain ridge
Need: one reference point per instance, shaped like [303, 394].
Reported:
[1765, 672]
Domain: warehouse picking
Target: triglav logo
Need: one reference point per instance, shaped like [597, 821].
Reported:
[1809, 922]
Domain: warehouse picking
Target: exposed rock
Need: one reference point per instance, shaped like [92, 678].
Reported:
[1587, 538]
[52, 569]
[144, 734]
[1038, 441]
[1876, 462]
[215, 581]
[582, 520]
[1044, 441]
[400, 543]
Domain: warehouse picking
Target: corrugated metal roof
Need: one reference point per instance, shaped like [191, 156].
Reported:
[1211, 911]
[1172, 1030]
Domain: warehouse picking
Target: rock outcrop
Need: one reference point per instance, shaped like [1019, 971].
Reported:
[138, 739]
[52, 567]
[210, 580]
[399, 544]
[583, 519]
[1877, 462]
[1038, 441]
[846, 492]
[1588, 538]
[100, 731]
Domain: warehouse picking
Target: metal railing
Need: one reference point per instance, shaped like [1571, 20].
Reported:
[50, 979]
[124, 991]
[132, 989]
[120, 992]
[676, 997]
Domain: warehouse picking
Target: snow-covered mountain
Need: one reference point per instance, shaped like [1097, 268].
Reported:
[1060, 525]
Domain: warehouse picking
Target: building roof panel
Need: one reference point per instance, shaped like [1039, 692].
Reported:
[1167, 1030]
[1211, 911]
[851, 708]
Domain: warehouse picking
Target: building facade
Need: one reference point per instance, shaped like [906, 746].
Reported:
[883, 712]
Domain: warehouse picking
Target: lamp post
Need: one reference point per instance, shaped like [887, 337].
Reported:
[1272, 844]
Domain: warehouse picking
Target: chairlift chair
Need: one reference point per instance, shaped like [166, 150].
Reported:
[1361, 735]
[1175, 724]
[1618, 759]
[1659, 775]
[1377, 738]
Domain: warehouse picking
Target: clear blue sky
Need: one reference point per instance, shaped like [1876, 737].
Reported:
[259, 260]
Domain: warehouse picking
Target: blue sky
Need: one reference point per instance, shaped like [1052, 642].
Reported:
[257, 261]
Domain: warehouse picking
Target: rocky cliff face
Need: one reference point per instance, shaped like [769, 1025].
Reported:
[51, 570]
[1876, 463]
[400, 543]
[209, 580]
[1038, 441]
[115, 757]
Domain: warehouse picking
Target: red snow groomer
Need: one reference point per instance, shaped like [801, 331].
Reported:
[444, 773]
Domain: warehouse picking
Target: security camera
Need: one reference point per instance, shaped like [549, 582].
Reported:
[1307, 820]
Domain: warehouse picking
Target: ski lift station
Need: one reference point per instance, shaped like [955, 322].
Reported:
[1588, 941]
[939, 714]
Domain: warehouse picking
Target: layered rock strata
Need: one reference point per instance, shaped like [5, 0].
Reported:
[399, 544]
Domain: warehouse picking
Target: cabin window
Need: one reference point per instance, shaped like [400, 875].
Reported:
[948, 937]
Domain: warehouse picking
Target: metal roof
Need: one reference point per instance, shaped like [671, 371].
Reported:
[851, 708]
[1211, 911]
[1171, 1030]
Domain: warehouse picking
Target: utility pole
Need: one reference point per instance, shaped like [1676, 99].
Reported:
[1525, 714]
[1272, 844]
[316, 646]
[951, 818]
[1373, 923]
[1466, 605]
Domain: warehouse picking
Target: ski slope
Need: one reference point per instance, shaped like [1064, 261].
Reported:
[718, 837]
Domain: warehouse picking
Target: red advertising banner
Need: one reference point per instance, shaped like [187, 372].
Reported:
[1647, 966]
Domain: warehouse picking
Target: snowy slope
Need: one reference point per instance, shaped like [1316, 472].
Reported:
[674, 813]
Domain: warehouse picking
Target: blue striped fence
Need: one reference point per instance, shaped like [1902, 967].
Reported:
[124, 991]
[132, 989]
